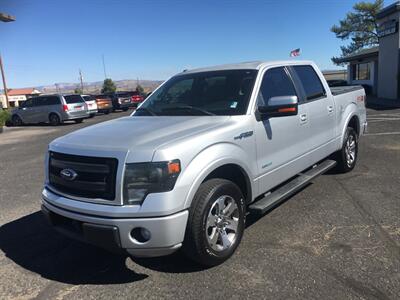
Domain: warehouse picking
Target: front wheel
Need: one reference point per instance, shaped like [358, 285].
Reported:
[16, 120]
[216, 222]
[347, 156]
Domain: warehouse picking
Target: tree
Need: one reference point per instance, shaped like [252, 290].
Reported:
[108, 86]
[360, 26]
[140, 89]
[78, 91]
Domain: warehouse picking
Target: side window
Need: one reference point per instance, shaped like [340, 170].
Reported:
[311, 83]
[52, 100]
[39, 101]
[276, 82]
[24, 103]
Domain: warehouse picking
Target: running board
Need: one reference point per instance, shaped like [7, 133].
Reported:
[271, 200]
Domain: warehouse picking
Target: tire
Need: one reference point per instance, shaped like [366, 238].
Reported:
[210, 240]
[125, 109]
[92, 116]
[54, 119]
[347, 156]
[107, 112]
[16, 120]
[78, 121]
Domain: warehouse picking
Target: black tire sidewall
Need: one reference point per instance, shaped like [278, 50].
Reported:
[346, 166]
[203, 252]
[56, 118]
[16, 120]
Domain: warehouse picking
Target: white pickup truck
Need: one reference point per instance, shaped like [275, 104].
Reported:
[207, 147]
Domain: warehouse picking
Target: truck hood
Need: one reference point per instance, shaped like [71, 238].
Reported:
[139, 136]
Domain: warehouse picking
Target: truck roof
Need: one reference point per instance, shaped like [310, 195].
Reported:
[251, 65]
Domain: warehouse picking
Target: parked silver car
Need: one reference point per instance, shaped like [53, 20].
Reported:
[54, 109]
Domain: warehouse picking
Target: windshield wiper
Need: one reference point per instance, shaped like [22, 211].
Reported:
[189, 107]
[148, 110]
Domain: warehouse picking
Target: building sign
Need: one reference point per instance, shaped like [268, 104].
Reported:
[387, 28]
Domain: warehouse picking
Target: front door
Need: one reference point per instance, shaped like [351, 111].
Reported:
[280, 141]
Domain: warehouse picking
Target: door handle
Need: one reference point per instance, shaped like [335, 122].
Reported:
[330, 108]
[303, 117]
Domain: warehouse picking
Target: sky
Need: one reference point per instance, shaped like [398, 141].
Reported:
[52, 39]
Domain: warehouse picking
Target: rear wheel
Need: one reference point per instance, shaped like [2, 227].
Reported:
[125, 109]
[107, 112]
[16, 120]
[77, 121]
[347, 156]
[216, 222]
[54, 119]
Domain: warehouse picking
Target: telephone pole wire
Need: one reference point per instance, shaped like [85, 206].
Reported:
[104, 68]
[81, 78]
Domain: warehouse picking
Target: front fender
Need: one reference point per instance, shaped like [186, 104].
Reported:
[210, 159]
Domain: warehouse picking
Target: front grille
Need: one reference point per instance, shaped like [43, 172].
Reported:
[95, 175]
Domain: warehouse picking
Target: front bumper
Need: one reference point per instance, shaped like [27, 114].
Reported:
[167, 233]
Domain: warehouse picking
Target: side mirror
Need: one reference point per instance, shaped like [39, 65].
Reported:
[281, 106]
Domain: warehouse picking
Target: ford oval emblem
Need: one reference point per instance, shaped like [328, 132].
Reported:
[68, 174]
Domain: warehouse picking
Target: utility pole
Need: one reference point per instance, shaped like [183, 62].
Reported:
[4, 82]
[81, 78]
[5, 18]
[104, 68]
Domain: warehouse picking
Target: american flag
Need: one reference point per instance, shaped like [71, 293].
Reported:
[295, 52]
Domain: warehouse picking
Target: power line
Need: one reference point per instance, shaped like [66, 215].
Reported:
[104, 68]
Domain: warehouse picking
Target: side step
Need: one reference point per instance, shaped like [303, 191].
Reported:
[269, 201]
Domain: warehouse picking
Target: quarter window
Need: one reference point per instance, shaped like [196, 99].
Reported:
[276, 82]
[310, 81]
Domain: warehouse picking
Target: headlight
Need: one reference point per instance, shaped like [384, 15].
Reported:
[141, 179]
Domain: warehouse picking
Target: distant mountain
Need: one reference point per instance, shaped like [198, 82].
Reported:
[95, 87]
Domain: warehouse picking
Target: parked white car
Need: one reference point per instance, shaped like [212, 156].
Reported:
[91, 104]
[208, 146]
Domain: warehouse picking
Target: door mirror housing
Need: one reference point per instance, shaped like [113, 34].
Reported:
[280, 106]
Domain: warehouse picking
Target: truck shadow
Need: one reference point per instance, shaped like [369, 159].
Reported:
[32, 244]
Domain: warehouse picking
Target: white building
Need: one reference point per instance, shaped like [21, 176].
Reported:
[15, 96]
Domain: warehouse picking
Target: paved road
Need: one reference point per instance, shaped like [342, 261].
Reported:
[337, 239]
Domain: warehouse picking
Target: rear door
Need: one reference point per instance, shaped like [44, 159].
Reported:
[53, 104]
[320, 110]
[280, 141]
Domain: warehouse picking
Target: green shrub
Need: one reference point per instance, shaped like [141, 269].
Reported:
[5, 116]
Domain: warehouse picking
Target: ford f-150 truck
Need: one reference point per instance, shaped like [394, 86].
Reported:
[206, 148]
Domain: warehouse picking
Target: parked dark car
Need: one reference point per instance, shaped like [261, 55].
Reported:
[121, 101]
[136, 98]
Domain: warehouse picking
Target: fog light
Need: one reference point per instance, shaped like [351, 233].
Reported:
[140, 234]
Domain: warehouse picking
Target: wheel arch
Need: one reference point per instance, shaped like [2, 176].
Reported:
[351, 120]
[208, 164]
[54, 113]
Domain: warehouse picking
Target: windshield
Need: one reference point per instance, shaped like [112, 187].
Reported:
[205, 93]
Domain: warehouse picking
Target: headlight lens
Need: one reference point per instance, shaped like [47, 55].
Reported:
[142, 179]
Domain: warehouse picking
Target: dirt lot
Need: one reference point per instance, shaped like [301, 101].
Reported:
[337, 239]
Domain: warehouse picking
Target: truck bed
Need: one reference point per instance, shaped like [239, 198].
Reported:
[338, 90]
